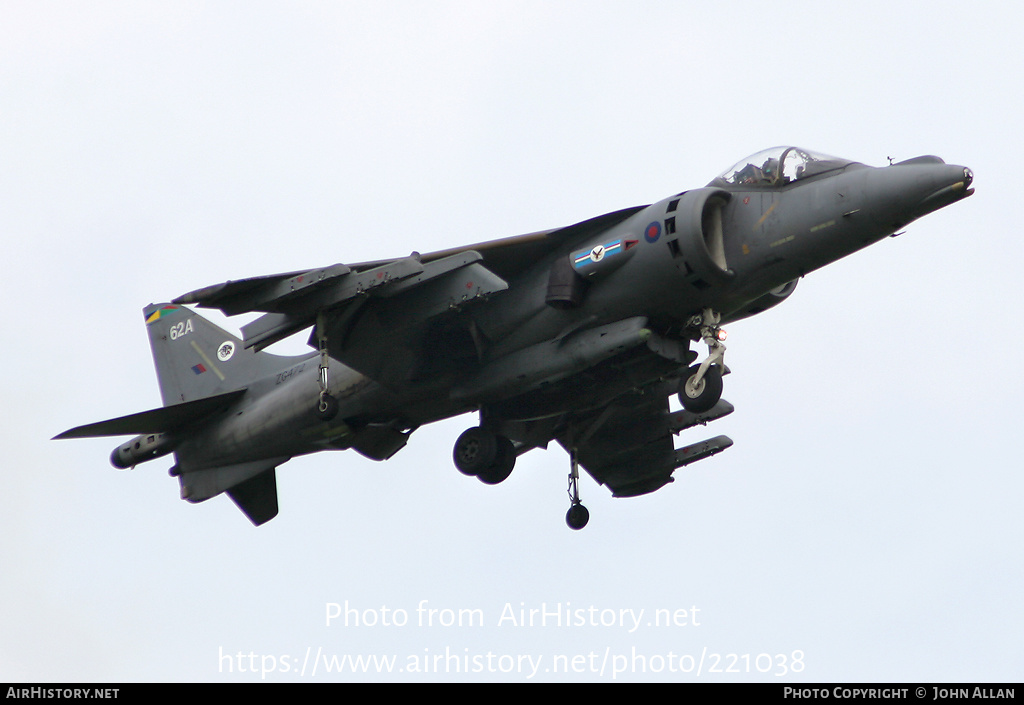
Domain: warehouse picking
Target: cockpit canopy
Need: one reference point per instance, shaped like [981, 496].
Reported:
[779, 166]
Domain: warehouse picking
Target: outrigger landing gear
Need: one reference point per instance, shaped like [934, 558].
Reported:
[327, 406]
[702, 387]
[577, 516]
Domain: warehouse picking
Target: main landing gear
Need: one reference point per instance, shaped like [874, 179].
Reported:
[701, 389]
[490, 457]
[485, 455]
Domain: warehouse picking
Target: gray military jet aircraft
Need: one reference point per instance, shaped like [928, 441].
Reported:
[578, 334]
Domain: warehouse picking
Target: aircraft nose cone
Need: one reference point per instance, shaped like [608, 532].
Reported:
[949, 184]
[904, 192]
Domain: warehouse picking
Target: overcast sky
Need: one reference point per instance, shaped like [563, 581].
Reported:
[866, 526]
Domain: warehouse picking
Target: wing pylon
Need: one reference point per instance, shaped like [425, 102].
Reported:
[628, 447]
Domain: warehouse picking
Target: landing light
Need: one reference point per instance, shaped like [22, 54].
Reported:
[722, 335]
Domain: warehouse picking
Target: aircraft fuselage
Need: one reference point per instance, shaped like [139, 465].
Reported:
[554, 335]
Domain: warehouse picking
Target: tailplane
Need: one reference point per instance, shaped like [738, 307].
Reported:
[203, 370]
[195, 359]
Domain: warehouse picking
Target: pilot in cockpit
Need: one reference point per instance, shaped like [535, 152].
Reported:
[749, 174]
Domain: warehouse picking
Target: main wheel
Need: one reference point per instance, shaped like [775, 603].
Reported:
[577, 517]
[475, 451]
[502, 466]
[705, 394]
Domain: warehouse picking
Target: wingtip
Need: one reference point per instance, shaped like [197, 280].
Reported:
[73, 433]
[197, 296]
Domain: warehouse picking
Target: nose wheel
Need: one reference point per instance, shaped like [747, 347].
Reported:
[699, 393]
[701, 389]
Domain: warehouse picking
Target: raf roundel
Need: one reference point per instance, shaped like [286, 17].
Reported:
[652, 232]
[225, 351]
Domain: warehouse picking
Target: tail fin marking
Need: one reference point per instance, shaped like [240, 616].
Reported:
[195, 358]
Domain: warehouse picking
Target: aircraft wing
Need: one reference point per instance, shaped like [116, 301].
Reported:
[511, 255]
[391, 320]
[628, 445]
[276, 293]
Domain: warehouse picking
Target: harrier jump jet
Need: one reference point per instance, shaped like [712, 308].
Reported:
[578, 335]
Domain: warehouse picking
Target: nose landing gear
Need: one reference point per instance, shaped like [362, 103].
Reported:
[701, 389]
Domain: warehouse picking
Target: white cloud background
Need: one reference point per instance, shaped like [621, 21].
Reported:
[869, 513]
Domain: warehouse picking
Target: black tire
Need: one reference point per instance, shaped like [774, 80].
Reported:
[327, 407]
[475, 451]
[707, 393]
[502, 466]
[577, 517]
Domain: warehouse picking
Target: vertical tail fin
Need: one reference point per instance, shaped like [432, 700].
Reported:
[195, 358]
